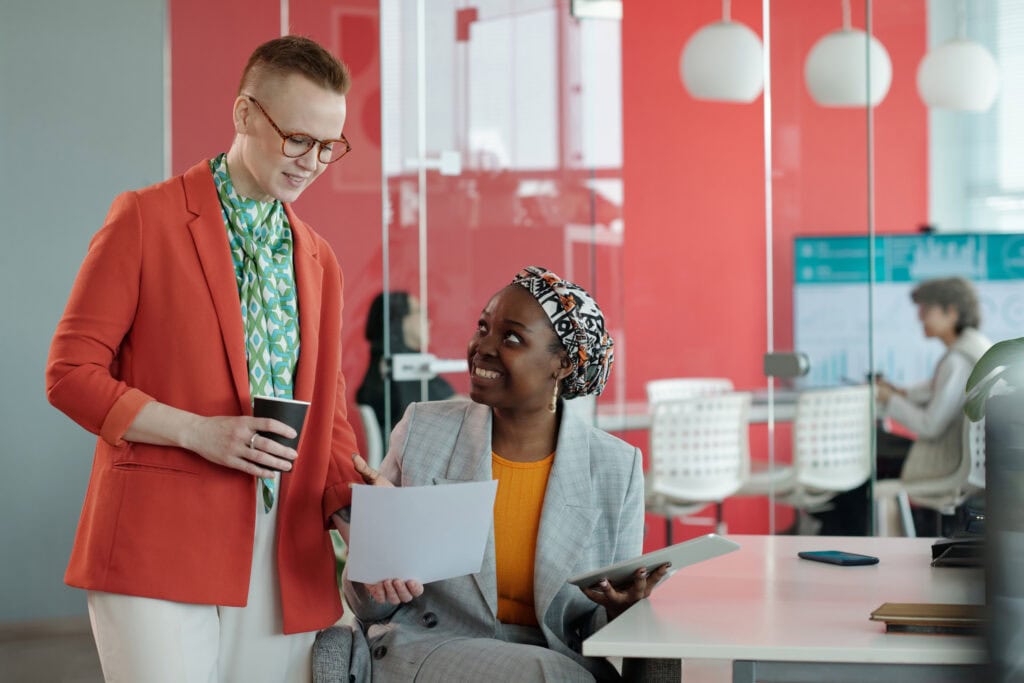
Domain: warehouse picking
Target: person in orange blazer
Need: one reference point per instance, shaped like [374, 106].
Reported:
[189, 573]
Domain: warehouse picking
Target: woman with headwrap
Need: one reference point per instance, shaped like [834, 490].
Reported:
[404, 334]
[569, 500]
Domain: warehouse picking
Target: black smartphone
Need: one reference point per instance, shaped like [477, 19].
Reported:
[837, 557]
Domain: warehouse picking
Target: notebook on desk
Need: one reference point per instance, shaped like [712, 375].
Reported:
[912, 617]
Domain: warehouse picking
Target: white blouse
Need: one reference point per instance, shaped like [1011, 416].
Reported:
[929, 408]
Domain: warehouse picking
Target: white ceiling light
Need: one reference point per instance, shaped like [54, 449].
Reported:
[836, 70]
[723, 62]
[960, 74]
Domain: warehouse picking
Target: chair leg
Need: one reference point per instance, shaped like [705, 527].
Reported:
[720, 519]
[906, 515]
[668, 529]
[806, 523]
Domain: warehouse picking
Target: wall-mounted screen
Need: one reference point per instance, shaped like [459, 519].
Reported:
[831, 304]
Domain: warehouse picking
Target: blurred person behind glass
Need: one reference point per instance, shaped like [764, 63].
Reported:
[405, 336]
[933, 409]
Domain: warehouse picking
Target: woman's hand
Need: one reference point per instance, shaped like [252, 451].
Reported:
[233, 442]
[373, 478]
[229, 441]
[617, 600]
[395, 591]
[885, 391]
[369, 475]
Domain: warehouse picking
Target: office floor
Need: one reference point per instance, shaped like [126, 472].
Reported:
[63, 651]
[59, 650]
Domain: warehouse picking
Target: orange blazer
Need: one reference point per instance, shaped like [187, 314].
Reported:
[154, 314]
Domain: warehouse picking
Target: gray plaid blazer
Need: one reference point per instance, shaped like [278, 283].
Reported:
[592, 515]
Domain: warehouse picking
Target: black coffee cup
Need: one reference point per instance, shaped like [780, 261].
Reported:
[289, 411]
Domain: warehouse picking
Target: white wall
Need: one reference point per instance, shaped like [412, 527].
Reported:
[81, 119]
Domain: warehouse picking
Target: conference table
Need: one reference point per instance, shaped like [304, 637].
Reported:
[777, 617]
[631, 415]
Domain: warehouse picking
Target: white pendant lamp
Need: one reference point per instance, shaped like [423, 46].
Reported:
[960, 74]
[836, 70]
[723, 62]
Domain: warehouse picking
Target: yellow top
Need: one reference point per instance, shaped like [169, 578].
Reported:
[517, 507]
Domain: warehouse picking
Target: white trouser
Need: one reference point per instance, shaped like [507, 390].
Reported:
[142, 639]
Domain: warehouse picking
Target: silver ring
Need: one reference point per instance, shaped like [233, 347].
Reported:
[252, 439]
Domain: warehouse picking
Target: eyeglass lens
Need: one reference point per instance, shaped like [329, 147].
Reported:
[298, 145]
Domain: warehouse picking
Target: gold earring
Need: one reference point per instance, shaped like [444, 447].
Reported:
[553, 406]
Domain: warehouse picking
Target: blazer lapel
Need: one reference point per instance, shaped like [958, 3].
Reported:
[568, 515]
[471, 461]
[210, 237]
[308, 286]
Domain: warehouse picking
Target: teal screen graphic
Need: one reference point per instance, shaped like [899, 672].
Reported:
[830, 299]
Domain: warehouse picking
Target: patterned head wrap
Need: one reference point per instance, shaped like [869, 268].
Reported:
[579, 324]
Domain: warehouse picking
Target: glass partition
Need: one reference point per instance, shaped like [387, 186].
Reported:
[967, 70]
[794, 223]
[819, 217]
[502, 148]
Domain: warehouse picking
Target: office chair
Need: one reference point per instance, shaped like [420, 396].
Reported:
[374, 441]
[699, 454]
[942, 494]
[832, 435]
[686, 387]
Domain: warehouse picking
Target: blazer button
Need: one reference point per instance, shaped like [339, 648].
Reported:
[429, 620]
[380, 651]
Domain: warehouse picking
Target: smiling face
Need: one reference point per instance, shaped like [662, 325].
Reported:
[514, 356]
[258, 168]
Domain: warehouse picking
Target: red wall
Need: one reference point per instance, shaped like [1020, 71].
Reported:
[695, 247]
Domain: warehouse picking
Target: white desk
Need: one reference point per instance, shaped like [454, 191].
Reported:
[637, 414]
[781, 618]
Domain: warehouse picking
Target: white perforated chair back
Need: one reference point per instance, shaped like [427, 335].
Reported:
[946, 493]
[832, 438]
[974, 434]
[686, 387]
[699, 447]
[374, 441]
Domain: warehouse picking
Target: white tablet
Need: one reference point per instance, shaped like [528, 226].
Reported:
[679, 555]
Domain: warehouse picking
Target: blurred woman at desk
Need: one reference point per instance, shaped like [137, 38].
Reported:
[569, 500]
[948, 310]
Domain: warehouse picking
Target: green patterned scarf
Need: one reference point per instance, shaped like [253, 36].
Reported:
[261, 249]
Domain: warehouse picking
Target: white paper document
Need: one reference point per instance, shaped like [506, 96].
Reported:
[426, 533]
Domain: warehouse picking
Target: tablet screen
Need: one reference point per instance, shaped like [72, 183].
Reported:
[679, 555]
